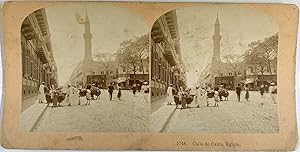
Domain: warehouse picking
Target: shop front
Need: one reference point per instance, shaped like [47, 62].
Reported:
[98, 80]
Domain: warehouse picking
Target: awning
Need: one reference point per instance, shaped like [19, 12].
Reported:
[122, 79]
[249, 80]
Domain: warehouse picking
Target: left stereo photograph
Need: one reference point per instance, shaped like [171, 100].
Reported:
[85, 68]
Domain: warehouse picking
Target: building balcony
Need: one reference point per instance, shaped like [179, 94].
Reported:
[157, 34]
[28, 31]
[42, 52]
[170, 54]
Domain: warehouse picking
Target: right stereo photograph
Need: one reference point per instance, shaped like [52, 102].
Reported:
[214, 70]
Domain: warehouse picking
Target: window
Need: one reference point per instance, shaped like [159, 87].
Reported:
[31, 68]
[152, 61]
[251, 70]
[275, 70]
[159, 68]
[268, 69]
[102, 72]
[221, 74]
[140, 68]
[111, 72]
[124, 69]
[239, 73]
[23, 57]
[229, 73]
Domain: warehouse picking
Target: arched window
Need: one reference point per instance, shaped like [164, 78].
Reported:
[102, 72]
[252, 70]
[140, 68]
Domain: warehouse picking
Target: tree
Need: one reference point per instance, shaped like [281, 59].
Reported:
[261, 53]
[106, 63]
[234, 64]
[142, 48]
[132, 53]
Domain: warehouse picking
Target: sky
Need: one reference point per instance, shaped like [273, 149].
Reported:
[239, 26]
[110, 25]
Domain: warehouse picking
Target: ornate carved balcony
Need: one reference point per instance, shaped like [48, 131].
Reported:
[28, 31]
[157, 33]
[169, 51]
[42, 52]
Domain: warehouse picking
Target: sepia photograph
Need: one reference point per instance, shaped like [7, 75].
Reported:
[85, 68]
[149, 76]
[214, 70]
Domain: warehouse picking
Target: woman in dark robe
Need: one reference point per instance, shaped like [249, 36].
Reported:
[134, 89]
[47, 95]
[119, 92]
[262, 90]
[247, 93]
[54, 98]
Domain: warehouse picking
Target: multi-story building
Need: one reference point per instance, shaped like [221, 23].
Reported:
[105, 73]
[166, 63]
[38, 64]
[223, 73]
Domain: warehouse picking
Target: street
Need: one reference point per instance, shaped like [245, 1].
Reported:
[259, 115]
[130, 114]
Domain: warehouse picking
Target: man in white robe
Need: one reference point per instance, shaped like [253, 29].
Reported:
[41, 93]
[170, 97]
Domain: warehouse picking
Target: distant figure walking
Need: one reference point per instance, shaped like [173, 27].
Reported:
[182, 98]
[262, 90]
[110, 91]
[209, 95]
[238, 91]
[134, 89]
[76, 94]
[82, 95]
[247, 93]
[69, 92]
[220, 91]
[139, 87]
[48, 95]
[198, 96]
[88, 95]
[216, 96]
[170, 95]
[119, 91]
[145, 89]
[273, 92]
[41, 93]
[54, 97]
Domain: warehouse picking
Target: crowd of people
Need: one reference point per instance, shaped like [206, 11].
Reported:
[51, 95]
[271, 90]
[83, 95]
[182, 97]
[186, 97]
